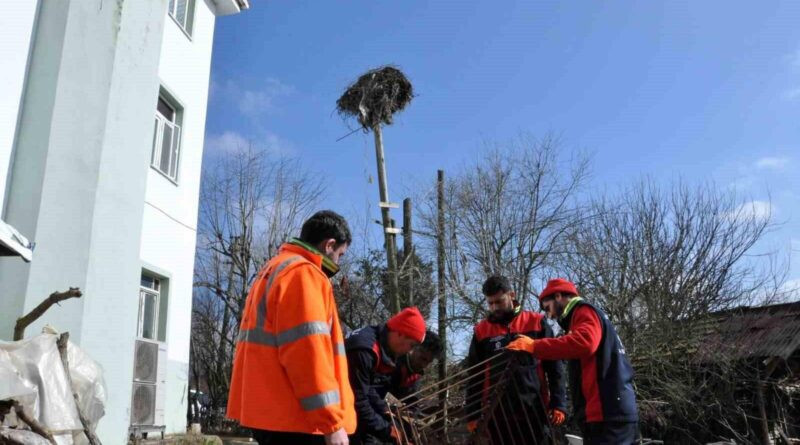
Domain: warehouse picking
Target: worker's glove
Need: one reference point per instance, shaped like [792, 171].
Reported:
[395, 436]
[472, 426]
[522, 343]
[556, 416]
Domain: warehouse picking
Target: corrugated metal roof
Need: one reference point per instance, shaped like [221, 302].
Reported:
[757, 332]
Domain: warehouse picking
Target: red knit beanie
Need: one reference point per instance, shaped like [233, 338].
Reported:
[408, 322]
[558, 285]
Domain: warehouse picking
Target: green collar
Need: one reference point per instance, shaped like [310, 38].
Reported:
[328, 266]
[574, 301]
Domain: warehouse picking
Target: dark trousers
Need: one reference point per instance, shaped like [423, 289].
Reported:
[518, 422]
[610, 433]
[366, 439]
[264, 437]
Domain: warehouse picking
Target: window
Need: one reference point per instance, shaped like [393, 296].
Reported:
[183, 13]
[149, 305]
[166, 140]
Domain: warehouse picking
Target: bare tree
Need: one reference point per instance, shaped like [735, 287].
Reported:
[653, 255]
[361, 293]
[250, 203]
[506, 213]
[662, 262]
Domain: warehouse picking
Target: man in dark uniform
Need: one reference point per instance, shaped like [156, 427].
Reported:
[372, 353]
[409, 369]
[600, 375]
[519, 416]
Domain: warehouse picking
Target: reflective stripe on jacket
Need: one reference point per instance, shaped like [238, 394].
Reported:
[290, 368]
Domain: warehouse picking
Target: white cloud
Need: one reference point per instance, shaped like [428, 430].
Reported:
[232, 142]
[229, 141]
[772, 163]
[792, 94]
[753, 209]
[791, 286]
[253, 102]
[794, 58]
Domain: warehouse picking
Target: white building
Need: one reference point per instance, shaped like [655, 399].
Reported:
[102, 116]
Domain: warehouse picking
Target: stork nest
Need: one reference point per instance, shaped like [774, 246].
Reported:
[376, 96]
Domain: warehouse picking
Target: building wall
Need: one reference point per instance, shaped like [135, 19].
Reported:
[170, 217]
[80, 184]
[16, 32]
[78, 177]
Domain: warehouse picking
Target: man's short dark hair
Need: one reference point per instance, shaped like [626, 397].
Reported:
[432, 343]
[495, 284]
[324, 225]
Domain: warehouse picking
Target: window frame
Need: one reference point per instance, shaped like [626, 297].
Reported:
[188, 26]
[176, 134]
[156, 293]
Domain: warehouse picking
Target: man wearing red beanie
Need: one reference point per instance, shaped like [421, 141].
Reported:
[371, 354]
[601, 377]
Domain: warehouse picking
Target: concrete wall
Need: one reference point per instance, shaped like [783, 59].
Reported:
[170, 217]
[80, 183]
[78, 178]
[16, 32]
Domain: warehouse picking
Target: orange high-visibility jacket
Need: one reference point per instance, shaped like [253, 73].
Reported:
[290, 367]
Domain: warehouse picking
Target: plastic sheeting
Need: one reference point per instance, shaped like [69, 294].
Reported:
[23, 436]
[31, 372]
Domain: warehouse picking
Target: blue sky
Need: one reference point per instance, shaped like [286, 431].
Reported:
[698, 90]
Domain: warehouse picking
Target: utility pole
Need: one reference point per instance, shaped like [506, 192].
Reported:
[388, 231]
[408, 251]
[372, 100]
[441, 288]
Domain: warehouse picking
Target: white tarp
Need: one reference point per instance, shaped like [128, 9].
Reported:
[31, 372]
[13, 243]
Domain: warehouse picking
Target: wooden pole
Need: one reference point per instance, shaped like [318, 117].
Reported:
[441, 288]
[764, 422]
[761, 399]
[62, 343]
[388, 238]
[408, 251]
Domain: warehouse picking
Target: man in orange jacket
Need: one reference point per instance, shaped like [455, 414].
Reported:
[290, 383]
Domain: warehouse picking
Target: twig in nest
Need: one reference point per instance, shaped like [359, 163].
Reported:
[54, 298]
[376, 96]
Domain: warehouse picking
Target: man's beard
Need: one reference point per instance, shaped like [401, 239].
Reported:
[501, 315]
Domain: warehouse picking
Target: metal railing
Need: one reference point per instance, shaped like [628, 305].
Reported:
[503, 415]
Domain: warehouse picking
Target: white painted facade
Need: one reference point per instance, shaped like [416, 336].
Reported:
[77, 109]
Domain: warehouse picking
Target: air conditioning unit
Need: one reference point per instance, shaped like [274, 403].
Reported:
[149, 383]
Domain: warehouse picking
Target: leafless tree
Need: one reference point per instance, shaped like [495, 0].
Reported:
[361, 292]
[653, 255]
[250, 203]
[506, 213]
[661, 261]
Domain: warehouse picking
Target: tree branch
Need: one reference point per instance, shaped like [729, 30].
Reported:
[54, 298]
